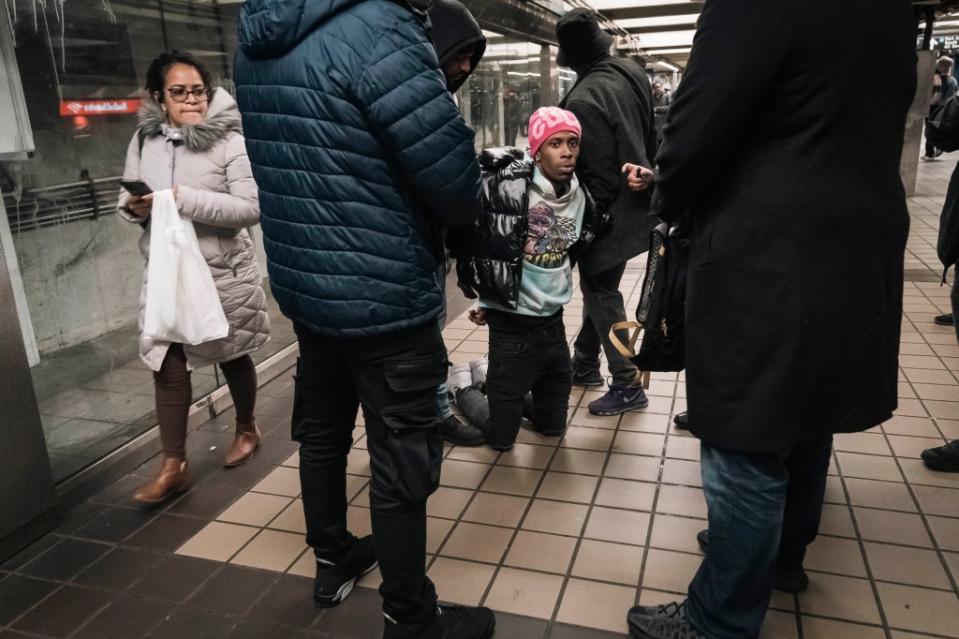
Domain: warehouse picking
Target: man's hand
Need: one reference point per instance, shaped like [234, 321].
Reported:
[139, 207]
[638, 178]
[478, 316]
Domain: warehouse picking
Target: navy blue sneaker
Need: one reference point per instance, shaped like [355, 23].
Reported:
[619, 400]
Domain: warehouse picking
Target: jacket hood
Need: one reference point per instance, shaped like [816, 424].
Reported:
[222, 118]
[269, 28]
[454, 29]
[581, 41]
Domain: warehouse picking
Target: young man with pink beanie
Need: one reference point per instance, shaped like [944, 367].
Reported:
[517, 258]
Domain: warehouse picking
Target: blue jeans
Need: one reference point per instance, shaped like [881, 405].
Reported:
[764, 510]
[442, 399]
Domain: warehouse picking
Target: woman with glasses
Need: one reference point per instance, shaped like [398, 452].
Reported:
[189, 141]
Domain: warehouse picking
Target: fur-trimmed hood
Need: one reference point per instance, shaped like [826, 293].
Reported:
[223, 117]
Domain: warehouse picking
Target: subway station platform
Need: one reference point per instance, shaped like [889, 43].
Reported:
[559, 537]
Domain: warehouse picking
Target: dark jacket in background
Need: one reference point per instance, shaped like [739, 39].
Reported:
[613, 101]
[799, 218]
[454, 29]
[360, 155]
[490, 261]
[948, 245]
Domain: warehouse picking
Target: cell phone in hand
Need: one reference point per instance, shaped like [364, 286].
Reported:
[136, 187]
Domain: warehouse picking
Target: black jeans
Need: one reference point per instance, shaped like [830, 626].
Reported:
[603, 306]
[954, 296]
[394, 377]
[764, 511]
[534, 361]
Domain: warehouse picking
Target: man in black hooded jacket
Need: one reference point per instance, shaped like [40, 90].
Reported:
[613, 100]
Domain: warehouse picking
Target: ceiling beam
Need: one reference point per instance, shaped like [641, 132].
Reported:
[685, 26]
[655, 11]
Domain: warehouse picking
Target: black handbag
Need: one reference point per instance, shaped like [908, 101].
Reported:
[661, 313]
[942, 125]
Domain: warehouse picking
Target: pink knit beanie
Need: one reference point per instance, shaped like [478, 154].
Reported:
[547, 122]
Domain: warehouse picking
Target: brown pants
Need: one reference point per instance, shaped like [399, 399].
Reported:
[174, 392]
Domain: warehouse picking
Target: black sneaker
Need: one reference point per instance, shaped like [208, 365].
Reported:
[456, 432]
[334, 582]
[682, 421]
[661, 622]
[589, 378]
[945, 320]
[450, 622]
[943, 458]
[619, 400]
[791, 581]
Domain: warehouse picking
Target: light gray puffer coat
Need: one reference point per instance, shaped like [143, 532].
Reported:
[215, 189]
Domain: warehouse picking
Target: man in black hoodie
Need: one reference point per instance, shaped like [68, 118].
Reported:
[460, 45]
[613, 100]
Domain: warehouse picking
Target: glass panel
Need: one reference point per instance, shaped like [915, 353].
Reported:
[82, 65]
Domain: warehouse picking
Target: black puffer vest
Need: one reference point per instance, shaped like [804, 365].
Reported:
[489, 254]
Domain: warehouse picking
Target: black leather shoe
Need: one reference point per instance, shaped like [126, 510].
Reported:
[456, 432]
[945, 320]
[943, 458]
[450, 622]
[334, 581]
[682, 421]
[791, 581]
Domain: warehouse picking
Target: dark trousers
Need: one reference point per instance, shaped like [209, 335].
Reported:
[603, 306]
[536, 362]
[954, 297]
[394, 377]
[764, 510]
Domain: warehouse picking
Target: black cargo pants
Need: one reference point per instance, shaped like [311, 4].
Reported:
[394, 377]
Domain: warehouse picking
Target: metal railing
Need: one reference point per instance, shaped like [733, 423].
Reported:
[61, 203]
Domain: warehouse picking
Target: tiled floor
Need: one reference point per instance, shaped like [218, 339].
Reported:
[560, 537]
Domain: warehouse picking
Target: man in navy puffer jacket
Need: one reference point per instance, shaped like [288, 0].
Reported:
[361, 157]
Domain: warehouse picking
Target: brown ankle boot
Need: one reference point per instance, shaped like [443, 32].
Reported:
[172, 479]
[246, 441]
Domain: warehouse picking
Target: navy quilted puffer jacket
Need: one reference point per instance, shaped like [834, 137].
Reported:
[360, 156]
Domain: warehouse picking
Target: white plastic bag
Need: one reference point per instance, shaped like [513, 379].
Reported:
[182, 304]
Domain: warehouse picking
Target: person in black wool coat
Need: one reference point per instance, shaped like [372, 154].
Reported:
[794, 301]
[613, 99]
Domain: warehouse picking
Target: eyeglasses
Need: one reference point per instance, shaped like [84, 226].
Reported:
[180, 94]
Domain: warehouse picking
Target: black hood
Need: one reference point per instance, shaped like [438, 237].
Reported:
[581, 41]
[454, 29]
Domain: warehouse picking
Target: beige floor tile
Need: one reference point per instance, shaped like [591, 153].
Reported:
[291, 519]
[670, 571]
[919, 609]
[661, 388]
[607, 561]
[496, 510]
[271, 550]
[905, 446]
[645, 422]
[676, 533]
[217, 541]
[362, 497]
[582, 417]
[816, 628]
[461, 582]
[522, 592]
[559, 518]
[918, 426]
[354, 484]
[683, 448]
[527, 456]
[840, 597]
[681, 500]
[358, 462]
[651, 597]
[917, 473]
[512, 481]
[476, 542]
[436, 532]
[898, 634]
[926, 376]
[942, 410]
[480, 454]
[880, 494]
[952, 558]
[639, 443]
[305, 565]
[540, 551]
[568, 487]
[835, 494]
[587, 438]
[906, 565]
[623, 526]
[678, 471]
[282, 481]
[633, 467]
[938, 501]
[293, 461]
[583, 462]
[892, 527]
[949, 428]
[255, 509]
[596, 605]
[936, 392]
[920, 361]
[868, 466]
[621, 493]
[358, 521]
[946, 532]
[448, 502]
[461, 474]
[835, 554]
[662, 405]
[861, 443]
[779, 625]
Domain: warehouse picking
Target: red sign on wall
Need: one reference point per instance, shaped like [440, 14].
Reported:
[121, 106]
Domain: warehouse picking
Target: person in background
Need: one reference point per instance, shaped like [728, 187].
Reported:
[660, 97]
[787, 182]
[537, 214]
[945, 87]
[460, 45]
[612, 98]
[189, 140]
[362, 158]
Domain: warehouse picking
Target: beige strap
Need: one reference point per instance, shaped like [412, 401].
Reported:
[628, 350]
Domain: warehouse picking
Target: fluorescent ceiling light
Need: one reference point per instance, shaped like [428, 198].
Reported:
[601, 5]
[667, 39]
[673, 51]
[491, 34]
[658, 21]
